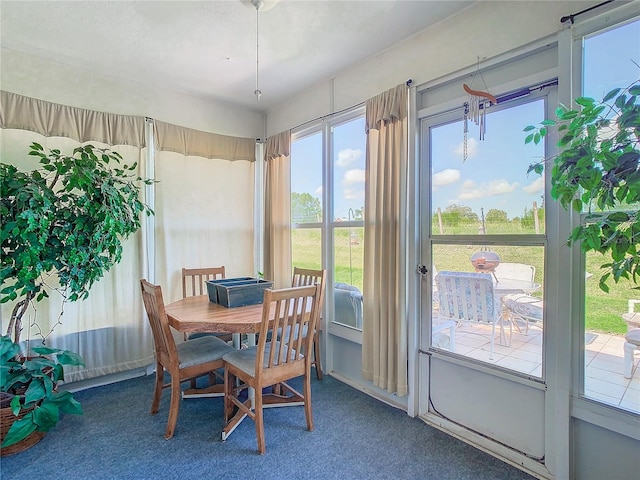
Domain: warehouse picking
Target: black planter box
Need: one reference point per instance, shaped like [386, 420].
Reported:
[237, 292]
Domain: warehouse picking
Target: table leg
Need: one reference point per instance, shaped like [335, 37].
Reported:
[213, 390]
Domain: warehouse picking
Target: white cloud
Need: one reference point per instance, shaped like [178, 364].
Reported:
[472, 148]
[319, 191]
[348, 156]
[445, 177]
[536, 186]
[353, 176]
[469, 190]
[353, 183]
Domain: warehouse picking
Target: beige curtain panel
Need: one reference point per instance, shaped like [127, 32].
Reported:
[54, 120]
[277, 248]
[187, 141]
[384, 332]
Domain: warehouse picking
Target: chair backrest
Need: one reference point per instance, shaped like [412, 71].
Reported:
[165, 345]
[348, 305]
[304, 277]
[516, 271]
[288, 309]
[193, 279]
[467, 296]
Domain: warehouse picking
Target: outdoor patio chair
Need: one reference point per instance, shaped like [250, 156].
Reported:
[348, 304]
[632, 337]
[515, 271]
[468, 297]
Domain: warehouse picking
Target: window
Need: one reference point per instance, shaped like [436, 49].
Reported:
[327, 208]
[487, 217]
[306, 201]
[348, 173]
[604, 324]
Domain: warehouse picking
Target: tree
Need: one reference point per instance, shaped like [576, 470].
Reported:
[455, 214]
[66, 220]
[496, 216]
[305, 208]
[598, 171]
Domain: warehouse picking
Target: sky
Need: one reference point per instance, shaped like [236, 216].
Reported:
[349, 166]
[494, 175]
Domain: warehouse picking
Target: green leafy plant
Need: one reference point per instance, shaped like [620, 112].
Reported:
[32, 383]
[68, 220]
[597, 170]
[63, 226]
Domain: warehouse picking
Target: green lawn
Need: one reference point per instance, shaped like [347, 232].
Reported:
[602, 310]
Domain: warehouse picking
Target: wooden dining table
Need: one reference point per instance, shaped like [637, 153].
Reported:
[199, 315]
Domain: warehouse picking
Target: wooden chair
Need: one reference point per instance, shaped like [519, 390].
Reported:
[194, 283]
[269, 363]
[302, 276]
[193, 279]
[186, 361]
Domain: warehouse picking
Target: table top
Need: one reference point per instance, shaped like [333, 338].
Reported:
[198, 314]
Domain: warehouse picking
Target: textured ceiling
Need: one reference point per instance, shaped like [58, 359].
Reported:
[208, 48]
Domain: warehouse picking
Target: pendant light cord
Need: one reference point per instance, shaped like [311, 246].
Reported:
[257, 91]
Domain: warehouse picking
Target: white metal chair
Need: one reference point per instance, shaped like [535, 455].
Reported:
[632, 337]
[515, 271]
[466, 296]
[518, 304]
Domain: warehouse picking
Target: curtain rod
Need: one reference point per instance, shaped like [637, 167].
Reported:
[408, 83]
[573, 15]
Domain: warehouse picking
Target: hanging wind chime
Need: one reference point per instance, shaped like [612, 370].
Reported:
[475, 108]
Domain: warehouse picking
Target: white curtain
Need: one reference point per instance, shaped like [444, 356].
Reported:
[384, 332]
[204, 217]
[108, 329]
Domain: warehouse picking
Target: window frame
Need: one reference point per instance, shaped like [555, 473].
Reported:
[586, 408]
[328, 225]
[434, 119]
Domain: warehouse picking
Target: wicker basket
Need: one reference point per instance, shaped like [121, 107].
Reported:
[6, 420]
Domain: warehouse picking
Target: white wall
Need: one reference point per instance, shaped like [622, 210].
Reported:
[485, 29]
[44, 79]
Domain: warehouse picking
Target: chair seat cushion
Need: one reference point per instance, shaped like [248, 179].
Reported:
[524, 305]
[202, 350]
[245, 359]
[633, 336]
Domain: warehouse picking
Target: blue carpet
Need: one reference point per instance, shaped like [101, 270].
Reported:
[355, 437]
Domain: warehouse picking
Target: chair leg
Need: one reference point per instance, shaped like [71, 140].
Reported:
[228, 404]
[258, 418]
[307, 400]
[316, 355]
[157, 389]
[174, 406]
[493, 335]
[629, 348]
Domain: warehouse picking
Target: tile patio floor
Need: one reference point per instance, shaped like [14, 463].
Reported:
[604, 380]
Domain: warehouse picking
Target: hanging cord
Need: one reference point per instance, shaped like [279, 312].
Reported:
[257, 91]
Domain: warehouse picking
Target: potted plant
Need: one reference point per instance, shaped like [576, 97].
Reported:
[63, 227]
[28, 385]
[597, 169]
